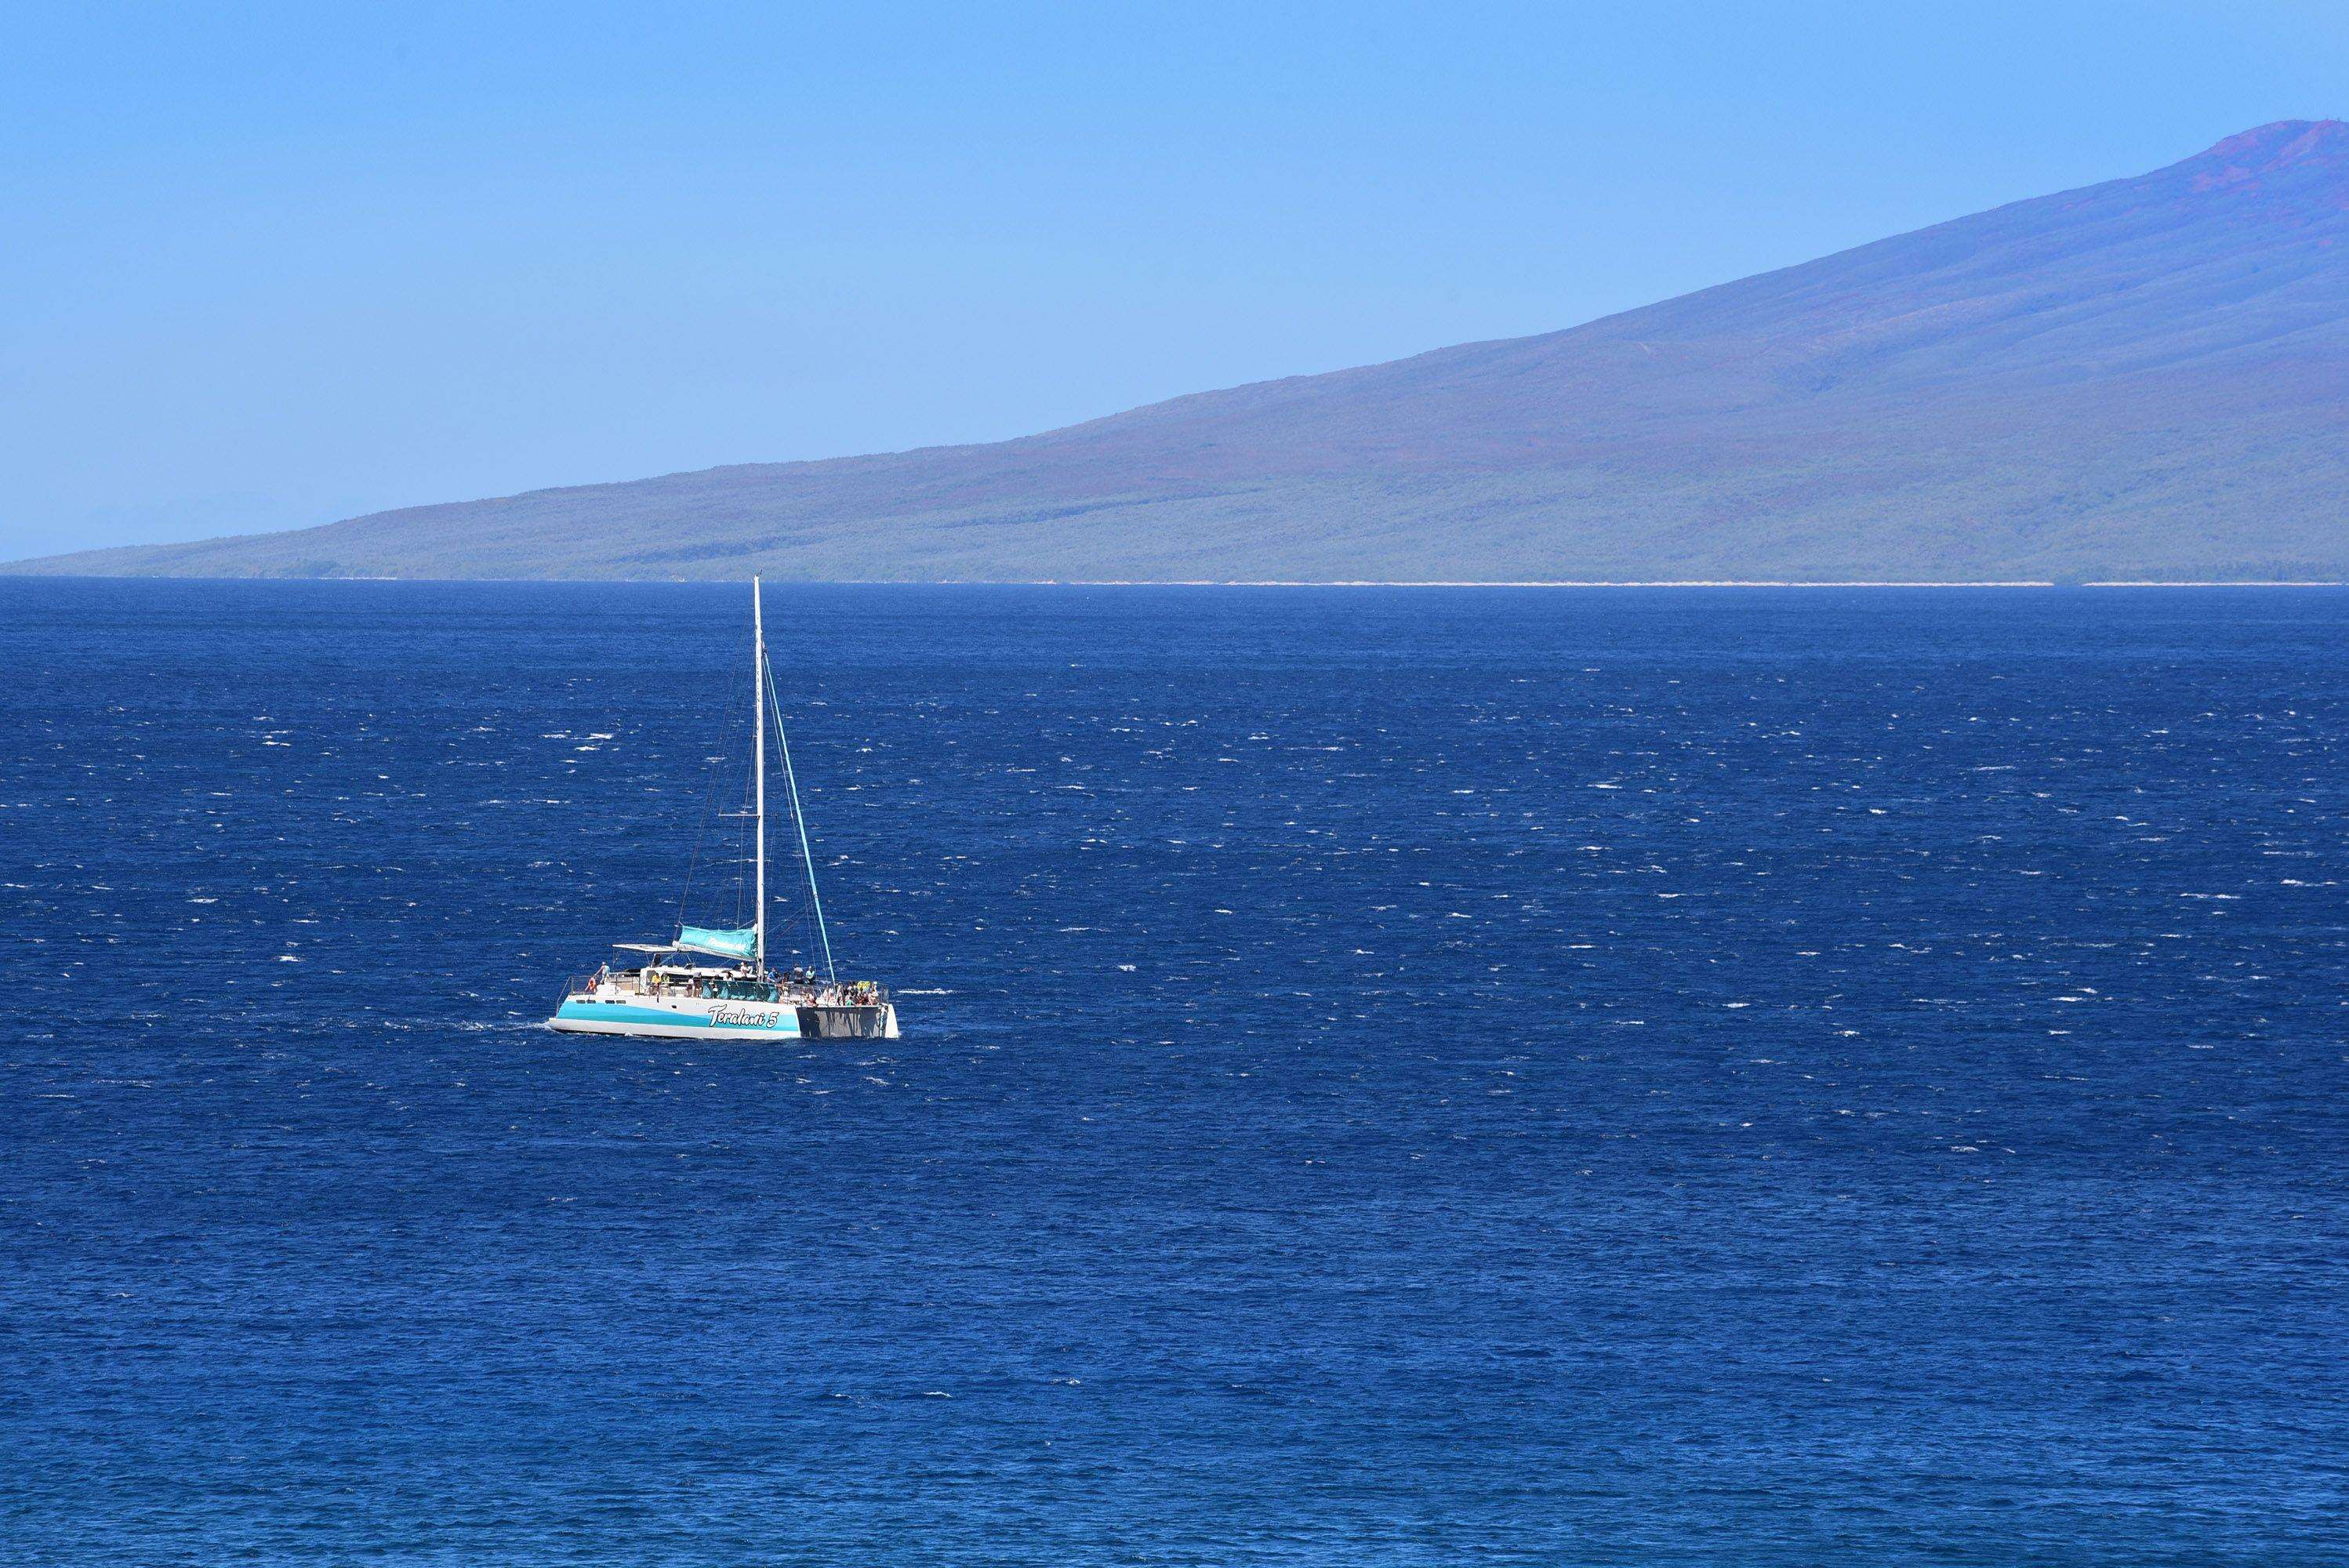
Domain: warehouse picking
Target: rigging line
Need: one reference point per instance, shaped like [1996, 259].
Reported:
[803, 921]
[801, 916]
[807, 855]
[798, 923]
[798, 817]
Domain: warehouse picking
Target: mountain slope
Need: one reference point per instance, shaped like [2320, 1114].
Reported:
[2146, 377]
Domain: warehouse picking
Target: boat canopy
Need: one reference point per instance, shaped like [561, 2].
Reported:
[721, 943]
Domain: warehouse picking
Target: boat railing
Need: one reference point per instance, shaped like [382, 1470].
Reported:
[822, 994]
[852, 993]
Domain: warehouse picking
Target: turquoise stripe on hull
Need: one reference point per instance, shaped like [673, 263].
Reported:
[786, 1023]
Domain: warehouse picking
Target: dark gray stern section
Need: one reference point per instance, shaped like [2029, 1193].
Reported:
[843, 1024]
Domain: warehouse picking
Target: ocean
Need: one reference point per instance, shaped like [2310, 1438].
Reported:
[1390, 1075]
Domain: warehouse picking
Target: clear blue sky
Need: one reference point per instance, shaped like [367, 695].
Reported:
[269, 265]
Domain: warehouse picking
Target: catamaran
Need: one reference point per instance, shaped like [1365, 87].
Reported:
[668, 995]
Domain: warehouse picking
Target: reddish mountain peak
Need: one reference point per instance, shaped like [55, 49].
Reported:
[2271, 150]
[2283, 141]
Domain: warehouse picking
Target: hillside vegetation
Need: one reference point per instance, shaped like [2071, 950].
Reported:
[2143, 378]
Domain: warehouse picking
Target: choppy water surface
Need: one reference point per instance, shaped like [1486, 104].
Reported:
[1390, 1076]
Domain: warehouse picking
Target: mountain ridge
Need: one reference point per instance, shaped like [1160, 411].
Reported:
[2143, 378]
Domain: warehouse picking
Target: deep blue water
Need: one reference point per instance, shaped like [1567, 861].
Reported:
[1390, 1077]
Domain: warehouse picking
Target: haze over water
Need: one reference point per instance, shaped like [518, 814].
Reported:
[1390, 1075]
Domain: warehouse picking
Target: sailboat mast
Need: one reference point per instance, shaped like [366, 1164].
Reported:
[759, 763]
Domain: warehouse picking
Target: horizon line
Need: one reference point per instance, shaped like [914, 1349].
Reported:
[1230, 582]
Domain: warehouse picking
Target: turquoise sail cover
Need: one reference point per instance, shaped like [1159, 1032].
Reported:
[724, 943]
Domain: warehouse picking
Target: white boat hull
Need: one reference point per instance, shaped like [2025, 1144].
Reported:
[697, 1018]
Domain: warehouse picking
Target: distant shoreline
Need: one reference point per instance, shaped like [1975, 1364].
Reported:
[1676, 583]
[1223, 583]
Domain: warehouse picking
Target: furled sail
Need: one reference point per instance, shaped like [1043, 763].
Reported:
[723, 944]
